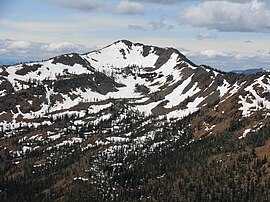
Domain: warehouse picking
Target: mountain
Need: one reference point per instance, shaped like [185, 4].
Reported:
[132, 122]
[249, 71]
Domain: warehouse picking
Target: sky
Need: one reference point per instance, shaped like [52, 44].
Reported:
[227, 35]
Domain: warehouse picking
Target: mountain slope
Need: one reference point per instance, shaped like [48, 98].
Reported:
[95, 117]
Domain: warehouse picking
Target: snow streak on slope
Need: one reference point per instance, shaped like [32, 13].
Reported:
[177, 95]
[224, 88]
[255, 99]
[191, 108]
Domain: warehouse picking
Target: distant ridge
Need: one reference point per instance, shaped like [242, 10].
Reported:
[249, 71]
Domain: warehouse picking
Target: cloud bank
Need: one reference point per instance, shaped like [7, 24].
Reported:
[26, 51]
[206, 35]
[226, 16]
[228, 61]
[82, 5]
[122, 7]
[159, 1]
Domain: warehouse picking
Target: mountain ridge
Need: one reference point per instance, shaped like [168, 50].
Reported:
[249, 71]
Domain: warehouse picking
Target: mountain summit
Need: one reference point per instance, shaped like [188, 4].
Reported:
[92, 117]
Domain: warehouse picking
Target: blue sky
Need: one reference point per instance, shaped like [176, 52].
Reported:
[233, 34]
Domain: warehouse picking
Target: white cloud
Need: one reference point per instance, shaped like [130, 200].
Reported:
[137, 27]
[123, 7]
[181, 1]
[62, 46]
[18, 45]
[161, 24]
[159, 1]
[129, 8]
[82, 5]
[75, 30]
[212, 53]
[206, 35]
[228, 61]
[251, 16]
[154, 25]
[15, 51]
[32, 26]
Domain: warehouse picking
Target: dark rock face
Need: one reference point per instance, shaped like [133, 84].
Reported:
[9, 102]
[128, 43]
[142, 89]
[71, 60]
[3, 72]
[12, 100]
[97, 82]
[146, 50]
[5, 85]
[123, 53]
[28, 68]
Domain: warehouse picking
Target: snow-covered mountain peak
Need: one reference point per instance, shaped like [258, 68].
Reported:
[159, 81]
[124, 53]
